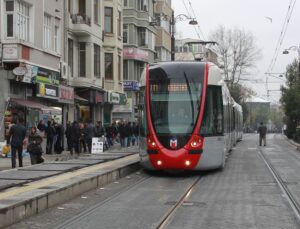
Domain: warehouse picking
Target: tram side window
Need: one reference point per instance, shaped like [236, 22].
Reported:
[213, 120]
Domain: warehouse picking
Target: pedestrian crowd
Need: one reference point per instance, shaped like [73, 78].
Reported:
[79, 137]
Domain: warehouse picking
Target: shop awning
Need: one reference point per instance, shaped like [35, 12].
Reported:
[33, 105]
[80, 99]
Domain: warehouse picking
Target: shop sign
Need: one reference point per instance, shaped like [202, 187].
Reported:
[66, 94]
[135, 54]
[10, 52]
[47, 76]
[19, 71]
[130, 85]
[47, 91]
[99, 97]
[116, 98]
[31, 73]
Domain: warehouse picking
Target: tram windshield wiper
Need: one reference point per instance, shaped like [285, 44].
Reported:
[191, 98]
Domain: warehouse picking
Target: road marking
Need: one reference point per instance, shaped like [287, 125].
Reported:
[252, 148]
[66, 176]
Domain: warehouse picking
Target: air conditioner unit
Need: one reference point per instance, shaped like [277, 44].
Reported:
[64, 71]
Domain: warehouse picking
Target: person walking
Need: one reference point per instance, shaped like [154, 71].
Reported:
[262, 130]
[50, 133]
[90, 134]
[74, 138]
[100, 132]
[59, 134]
[68, 133]
[109, 135]
[17, 135]
[34, 146]
[82, 139]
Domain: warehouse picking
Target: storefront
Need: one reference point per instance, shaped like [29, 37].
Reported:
[89, 104]
[128, 111]
[31, 111]
[114, 100]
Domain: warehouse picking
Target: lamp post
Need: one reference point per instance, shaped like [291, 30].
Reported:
[173, 20]
[180, 17]
[297, 49]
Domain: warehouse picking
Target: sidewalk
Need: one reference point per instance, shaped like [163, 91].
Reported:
[5, 163]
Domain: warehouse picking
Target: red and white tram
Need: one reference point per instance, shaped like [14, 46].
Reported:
[186, 117]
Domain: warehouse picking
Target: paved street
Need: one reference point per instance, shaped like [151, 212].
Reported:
[244, 195]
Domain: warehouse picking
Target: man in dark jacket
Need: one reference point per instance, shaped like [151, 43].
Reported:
[74, 136]
[99, 130]
[17, 135]
[262, 130]
[50, 132]
[90, 134]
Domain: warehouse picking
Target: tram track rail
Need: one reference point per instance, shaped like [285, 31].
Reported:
[166, 219]
[294, 205]
[93, 208]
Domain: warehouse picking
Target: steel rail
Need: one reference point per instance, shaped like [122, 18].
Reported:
[286, 192]
[91, 209]
[165, 220]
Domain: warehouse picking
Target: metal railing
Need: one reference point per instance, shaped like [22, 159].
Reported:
[80, 19]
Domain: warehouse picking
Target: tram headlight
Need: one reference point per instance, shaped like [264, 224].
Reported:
[187, 163]
[151, 143]
[195, 142]
[159, 163]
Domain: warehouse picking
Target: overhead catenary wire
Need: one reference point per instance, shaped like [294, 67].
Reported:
[198, 26]
[282, 34]
[189, 14]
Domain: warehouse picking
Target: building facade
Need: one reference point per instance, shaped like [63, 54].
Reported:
[138, 50]
[31, 49]
[192, 49]
[163, 21]
[94, 58]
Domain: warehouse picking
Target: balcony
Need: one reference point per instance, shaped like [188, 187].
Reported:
[80, 24]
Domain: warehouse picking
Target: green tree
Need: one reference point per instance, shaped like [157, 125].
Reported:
[290, 99]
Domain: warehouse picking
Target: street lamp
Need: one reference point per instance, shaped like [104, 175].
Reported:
[173, 20]
[180, 17]
[297, 49]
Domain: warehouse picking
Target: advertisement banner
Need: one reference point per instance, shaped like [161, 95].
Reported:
[97, 145]
[66, 94]
[47, 91]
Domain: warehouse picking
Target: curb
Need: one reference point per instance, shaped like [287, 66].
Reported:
[18, 207]
[293, 143]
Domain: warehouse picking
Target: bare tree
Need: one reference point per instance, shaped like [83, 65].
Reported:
[237, 52]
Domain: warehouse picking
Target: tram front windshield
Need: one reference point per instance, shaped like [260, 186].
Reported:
[175, 98]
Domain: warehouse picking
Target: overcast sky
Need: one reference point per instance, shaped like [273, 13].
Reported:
[249, 15]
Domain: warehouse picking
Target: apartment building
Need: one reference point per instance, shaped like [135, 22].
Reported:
[31, 47]
[163, 23]
[193, 49]
[138, 50]
[94, 58]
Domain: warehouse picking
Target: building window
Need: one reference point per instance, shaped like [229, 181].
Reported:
[71, 55]
[97, 61]
[108, 23]
[119, 24]
[142, 5]
[23, 20]
[47, 32]
[9, 11]
[17, 19]
[96, 12]
[119, 68]
[125, 3]
[82, 59]
[109, 60]
[56, 39]
[142, 36]
[125, 69]
[125, 33]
